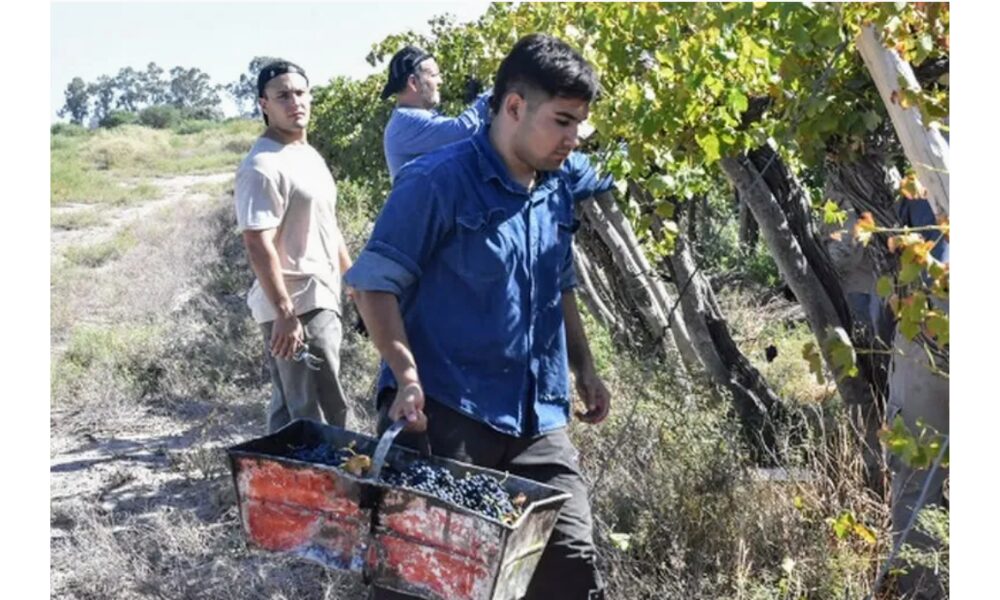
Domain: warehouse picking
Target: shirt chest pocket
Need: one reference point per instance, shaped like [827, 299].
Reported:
[484, 249]
[557, 244]
[565, 229]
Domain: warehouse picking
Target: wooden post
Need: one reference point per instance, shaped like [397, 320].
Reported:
[925, 148]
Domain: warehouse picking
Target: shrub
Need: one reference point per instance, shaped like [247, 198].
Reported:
[161, 117]
[130, 147]
[68, 129]
[100, 253]
[189, 126]
[77, 219]
[202, 113]
[116, 118]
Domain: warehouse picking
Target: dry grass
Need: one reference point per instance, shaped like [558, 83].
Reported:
[97, 254]
[679, 513]
[214, 189]
[98, 167]
[776, 323]
[78, 219]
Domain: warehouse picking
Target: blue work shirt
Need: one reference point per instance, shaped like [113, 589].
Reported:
[479, 265]
[412, 132]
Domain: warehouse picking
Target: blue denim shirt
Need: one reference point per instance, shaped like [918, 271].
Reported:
[479, 265]
[412, 132]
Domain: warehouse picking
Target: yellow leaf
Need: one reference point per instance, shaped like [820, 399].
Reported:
[864, 228]
[910, 187]
[864, 533]
[945, 226]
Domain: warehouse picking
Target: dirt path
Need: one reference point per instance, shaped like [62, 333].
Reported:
[81, 463]
[173, 189]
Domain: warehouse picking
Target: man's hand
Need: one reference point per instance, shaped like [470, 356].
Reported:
[594, 395]
[286, 336]
[409, 403]
[472, 89]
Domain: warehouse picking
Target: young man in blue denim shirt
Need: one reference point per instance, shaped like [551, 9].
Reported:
[466, 287]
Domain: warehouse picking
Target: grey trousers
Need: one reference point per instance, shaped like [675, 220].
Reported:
[298, 392]
[568, 567]
[916, 393]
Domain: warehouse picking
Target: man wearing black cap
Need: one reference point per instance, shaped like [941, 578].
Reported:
[285, 203]
[414, 128]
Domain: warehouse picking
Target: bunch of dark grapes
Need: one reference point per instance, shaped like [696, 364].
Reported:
[481, 492]
[323, 454]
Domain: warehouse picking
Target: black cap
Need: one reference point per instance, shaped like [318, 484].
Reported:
[276, 69]
[403, 64]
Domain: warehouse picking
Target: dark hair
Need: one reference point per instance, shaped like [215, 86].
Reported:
[276, 69]
[404, 63]
[546, 63]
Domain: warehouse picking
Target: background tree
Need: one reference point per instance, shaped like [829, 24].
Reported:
[132, 94]
[155, 88]
[77, 101]
[244, 90]
[103, 91]
[191, 90]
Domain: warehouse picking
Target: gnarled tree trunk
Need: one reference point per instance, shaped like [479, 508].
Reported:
[620, 285]
[756, 405]
[786, 227]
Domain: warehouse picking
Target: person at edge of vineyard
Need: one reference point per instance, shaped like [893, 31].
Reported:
[415, 128]
[919, 395]
[285, 203]
[467, 289]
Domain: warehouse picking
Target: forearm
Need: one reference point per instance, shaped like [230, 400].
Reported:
[384, 322]
[343, 255]
[266, 265]
[577, 348]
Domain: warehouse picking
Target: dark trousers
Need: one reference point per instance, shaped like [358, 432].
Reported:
[568, 567]
[298, 392]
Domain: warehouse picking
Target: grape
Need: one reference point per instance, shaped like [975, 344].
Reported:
[481, 492]
[324, 454]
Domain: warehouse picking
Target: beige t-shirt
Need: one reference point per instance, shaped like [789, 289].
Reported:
[289, 187]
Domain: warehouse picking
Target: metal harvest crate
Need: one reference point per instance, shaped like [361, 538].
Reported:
[398, 538]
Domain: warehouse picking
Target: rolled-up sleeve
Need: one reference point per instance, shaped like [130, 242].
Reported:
[259, 202]
[406, 233]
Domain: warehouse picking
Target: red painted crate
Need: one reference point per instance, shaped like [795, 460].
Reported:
[307, 509]
[418, 544]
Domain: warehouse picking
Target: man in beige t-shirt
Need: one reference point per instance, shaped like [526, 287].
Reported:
[285, 208]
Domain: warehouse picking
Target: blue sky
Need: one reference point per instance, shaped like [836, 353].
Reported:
[92, 39]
